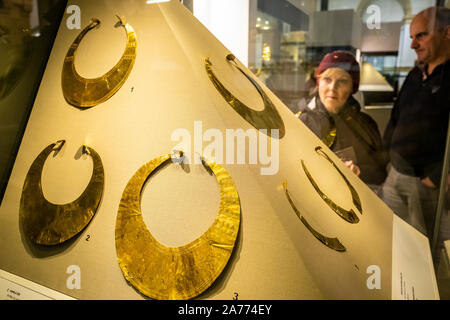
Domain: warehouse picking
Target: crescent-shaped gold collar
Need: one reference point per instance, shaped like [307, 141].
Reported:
[348, 215]
[86, 93]
[332, 243]
[46, 223]
[267, 119]
[184, 272]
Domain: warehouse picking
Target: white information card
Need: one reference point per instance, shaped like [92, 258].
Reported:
[16, 288]
[411, 256]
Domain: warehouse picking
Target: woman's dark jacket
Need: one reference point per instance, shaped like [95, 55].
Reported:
[353, 129]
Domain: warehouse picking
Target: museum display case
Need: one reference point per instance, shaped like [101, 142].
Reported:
[155, 165]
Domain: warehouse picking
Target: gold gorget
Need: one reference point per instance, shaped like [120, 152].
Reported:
[46, 223]
[184, 272]
[85, 93]
[267, 119]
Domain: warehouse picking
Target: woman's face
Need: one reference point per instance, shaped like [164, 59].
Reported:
[335, 87]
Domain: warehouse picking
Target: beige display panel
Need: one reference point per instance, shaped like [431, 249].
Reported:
[275, 256]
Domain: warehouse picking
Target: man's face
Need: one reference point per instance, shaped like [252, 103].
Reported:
[427, 41]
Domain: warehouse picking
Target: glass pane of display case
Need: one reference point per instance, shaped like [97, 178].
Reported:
[325, 76]
[442, 252]
[280, 51]
[441, 234]
[289, 46]
[27, 32]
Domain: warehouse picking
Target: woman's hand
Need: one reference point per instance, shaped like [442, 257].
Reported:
[353, 167]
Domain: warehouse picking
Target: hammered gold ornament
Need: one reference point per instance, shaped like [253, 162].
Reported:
[332, 243]
[86, 93]
[348, 215]
[267, 119]
[49, 224]
[184, 272]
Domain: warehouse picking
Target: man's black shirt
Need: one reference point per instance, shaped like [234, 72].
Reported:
[416, 134]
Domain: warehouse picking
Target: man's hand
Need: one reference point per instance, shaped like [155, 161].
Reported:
[353, 167]
[427, 182]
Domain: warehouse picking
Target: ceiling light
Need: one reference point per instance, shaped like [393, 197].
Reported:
[156, 1]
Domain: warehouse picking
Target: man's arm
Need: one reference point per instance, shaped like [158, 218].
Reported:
[392, 124]
[389, 131]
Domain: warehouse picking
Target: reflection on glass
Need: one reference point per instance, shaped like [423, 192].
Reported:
[440, 242]
[280, 50]
[27, 31]
[15, 47]
[441, 254]
[291, 37]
